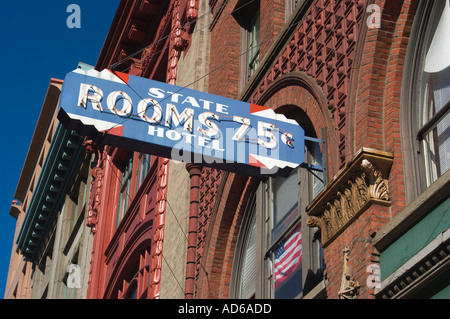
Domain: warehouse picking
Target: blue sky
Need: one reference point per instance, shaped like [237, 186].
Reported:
[35, 46]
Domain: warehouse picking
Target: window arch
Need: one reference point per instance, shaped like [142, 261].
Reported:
[130, 278]
[426, 105]
[131, 290]
[274, 238]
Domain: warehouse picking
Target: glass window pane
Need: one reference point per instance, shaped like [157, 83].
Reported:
[253, 44]
[437, 57]
[436, 97]
[318, 176]
[286, 196]
[287, 263]
[290, 7]
[248, 278]
[124, 189]
[437, 150]
[131, 291]
[443, 141]
[142, 169]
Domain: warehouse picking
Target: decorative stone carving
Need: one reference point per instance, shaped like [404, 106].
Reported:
[377, 186]
[96, 184]
[159, 223]
[349, 287]
[192, 11]
[362, 182]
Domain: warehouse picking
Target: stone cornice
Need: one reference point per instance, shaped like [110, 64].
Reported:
[48, 195]
[362, 182]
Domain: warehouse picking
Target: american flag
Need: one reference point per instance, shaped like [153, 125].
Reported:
[288, 255]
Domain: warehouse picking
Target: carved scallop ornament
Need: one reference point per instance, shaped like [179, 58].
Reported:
[361, 183]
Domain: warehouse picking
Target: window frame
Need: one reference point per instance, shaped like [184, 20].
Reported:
[134, 281]
[253, 41]
[125, 188]
[413, 127]
[243, 237]
[262, 211]
[246, 17]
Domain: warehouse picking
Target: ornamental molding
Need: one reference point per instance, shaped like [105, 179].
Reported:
[97, 181]
[425, 269]
[349, 287]
[361, 183]
[49, 193]
[159, 223]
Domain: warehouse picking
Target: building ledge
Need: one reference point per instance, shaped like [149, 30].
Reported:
[49, 192]
[361, 183]
[16, 209]
[420, 272]
[419, 208]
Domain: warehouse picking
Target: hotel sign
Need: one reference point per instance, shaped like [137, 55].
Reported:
[179, 123]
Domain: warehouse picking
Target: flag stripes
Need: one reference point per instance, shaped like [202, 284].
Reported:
[288, 256]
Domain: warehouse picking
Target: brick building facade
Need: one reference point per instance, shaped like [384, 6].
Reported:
[368, 81]
[338, 68]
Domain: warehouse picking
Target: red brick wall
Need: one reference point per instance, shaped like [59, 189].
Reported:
[377, 110]
[376, 125]
[272, 18]
[217, 247]
[357, 237]
[392, 100]
[225, 48]
[357, 78]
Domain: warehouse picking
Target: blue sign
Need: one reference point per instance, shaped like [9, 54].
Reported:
[157, 118]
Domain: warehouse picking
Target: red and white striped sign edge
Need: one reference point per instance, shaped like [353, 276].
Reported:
[100, 125]
[106, 74]
[264, 161]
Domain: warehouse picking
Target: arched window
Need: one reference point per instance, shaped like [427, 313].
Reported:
[294, 250]
[427, 104]
[435, 91]
[277, 254]
[134, 280]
